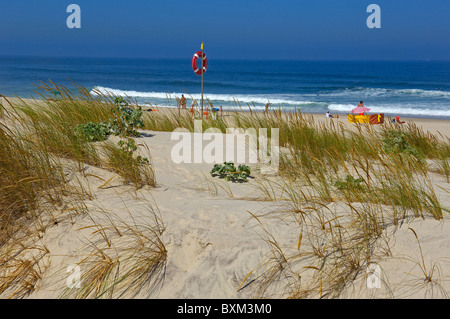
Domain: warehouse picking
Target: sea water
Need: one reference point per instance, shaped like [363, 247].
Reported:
[407, 88]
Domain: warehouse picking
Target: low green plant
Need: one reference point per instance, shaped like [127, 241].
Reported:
[128, 147]
[350, 183]
[126, 119]
[396, 141]
[123, 122]
[229, 172]
[93, 132]
[121, 159]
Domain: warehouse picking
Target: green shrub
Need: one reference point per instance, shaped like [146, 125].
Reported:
[122, 123]
[126, 119]
[121, 159]
[350, 183]
[396, 141]
[229, 172]
[93, 132]
[128, 147]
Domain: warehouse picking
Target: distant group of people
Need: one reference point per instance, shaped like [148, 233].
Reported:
[397, 120]
[327, 114]
[213, 110]
[361, 104]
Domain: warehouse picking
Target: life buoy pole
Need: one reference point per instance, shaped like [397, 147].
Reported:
[204, 67]
[202, 70]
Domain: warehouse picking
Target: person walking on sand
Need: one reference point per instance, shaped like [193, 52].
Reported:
[267, 108]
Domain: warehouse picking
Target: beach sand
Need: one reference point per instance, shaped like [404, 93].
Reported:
[212, 240]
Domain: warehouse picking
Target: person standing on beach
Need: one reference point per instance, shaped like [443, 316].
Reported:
[183, 101]
[361, 105]
[267, 107]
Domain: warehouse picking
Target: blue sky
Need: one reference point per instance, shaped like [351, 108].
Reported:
[230, 29]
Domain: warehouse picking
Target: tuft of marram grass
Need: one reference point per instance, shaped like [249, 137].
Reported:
[331, 249]
[37, 140]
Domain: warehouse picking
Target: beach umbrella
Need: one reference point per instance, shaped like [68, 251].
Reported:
[360, 109]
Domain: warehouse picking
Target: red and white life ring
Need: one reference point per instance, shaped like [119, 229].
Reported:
[199, 54]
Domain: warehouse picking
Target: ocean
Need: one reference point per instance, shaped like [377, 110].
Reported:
[420, 88]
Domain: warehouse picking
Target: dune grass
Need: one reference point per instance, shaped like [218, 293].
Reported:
[29, 175]
[33, 187]
[126, 258]
[56, 124]
[38, 138]
[381, 173]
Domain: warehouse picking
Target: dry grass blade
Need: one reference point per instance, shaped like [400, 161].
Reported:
[423, 267]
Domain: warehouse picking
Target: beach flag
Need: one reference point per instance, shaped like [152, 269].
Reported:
[201, 47]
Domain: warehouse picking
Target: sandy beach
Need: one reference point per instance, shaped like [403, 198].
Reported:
[215, 246]
[195, 167]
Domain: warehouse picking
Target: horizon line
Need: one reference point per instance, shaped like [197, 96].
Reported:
[224, 59]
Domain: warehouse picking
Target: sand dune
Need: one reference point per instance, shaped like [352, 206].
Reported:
[213, 242]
